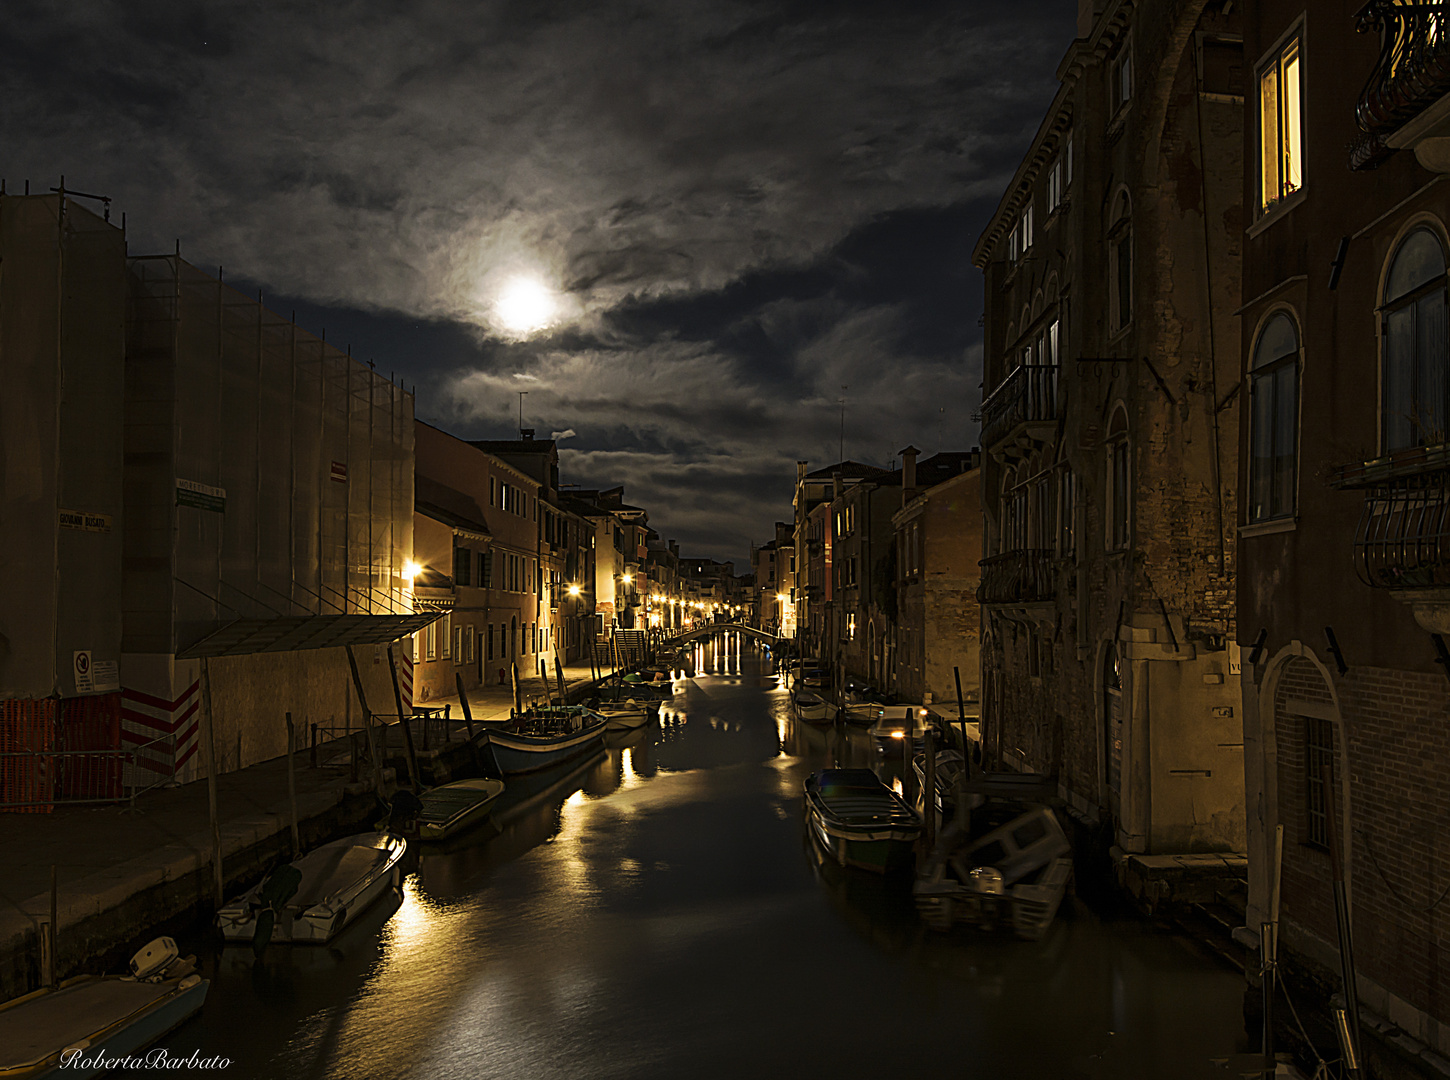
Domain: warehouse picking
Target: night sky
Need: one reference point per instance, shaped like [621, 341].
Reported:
[735, 209]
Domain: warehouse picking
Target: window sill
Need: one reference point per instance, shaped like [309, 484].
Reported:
[1269, 528]
[1275, 213]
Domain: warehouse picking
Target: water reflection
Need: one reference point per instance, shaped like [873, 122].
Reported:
[659, 910]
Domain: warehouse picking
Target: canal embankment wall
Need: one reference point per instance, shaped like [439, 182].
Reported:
[126, 874]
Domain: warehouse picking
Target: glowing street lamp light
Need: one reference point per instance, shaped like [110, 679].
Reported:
[574, 590]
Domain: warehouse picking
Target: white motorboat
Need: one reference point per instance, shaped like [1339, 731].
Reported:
[901, 722]
[311, 900]
[63, 1030]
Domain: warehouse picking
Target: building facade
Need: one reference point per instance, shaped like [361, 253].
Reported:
[1109, 426]
[937, 563]
[1344, 551]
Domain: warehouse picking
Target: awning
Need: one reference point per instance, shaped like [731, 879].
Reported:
[292, 634]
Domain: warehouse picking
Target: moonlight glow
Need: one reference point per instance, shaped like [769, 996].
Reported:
[525, 306]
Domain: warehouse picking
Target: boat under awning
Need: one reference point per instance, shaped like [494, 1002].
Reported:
[294, 633]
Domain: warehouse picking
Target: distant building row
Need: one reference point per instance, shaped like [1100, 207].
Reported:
[187, 478]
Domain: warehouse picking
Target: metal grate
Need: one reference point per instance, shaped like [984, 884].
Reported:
[1028, 394]
[1403, 537]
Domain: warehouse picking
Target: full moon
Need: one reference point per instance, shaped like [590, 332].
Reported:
[525, 305]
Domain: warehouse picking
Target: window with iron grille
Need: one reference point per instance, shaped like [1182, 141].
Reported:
[1318, 771]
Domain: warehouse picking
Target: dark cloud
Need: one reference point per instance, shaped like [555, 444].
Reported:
[746, 205]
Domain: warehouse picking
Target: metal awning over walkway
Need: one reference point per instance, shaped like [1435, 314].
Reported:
[293, 633]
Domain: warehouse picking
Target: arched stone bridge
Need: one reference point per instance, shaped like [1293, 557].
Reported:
[710, 629]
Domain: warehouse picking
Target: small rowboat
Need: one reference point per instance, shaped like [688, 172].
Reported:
[544, 737]
[859, 820]
[451, 808]
[812, 708]
[625, 715]
[862, 713]
[310, 900]
[59, 1031]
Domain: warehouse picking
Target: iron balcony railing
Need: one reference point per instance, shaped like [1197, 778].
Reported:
[1024, 576]
[1403, 538]
[1027, 395]
[1411, 73]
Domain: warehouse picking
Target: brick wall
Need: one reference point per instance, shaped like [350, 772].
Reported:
[1397, 725]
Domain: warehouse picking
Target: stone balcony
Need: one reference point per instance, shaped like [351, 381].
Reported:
[1020, 416]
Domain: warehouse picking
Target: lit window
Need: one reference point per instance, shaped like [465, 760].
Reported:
[1274, 401]
[1416, 366]
[1281, 139]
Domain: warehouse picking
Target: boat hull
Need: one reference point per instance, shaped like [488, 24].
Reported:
[457, 814]
[860, 822]
[516, 753]
[323, 908]
[26, 1055]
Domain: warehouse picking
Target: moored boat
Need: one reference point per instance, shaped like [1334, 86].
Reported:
[310, 900]
[543, 737]
[625, 715]
[859, 820]
[61, 1030]
[862, 713]
[812, 707]
[1012, 869]
[452, 808]
[900, 722]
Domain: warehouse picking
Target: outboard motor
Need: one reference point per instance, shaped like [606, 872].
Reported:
[279, 887]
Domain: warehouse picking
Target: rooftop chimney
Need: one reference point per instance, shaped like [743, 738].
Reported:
[527, 433]
[908, 473]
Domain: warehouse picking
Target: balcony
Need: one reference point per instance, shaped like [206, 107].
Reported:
[1404, 103]
[1020, 416]
[1027, 576]
[1402, 542]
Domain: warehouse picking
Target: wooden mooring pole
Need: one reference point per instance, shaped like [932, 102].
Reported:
[373, 749]
[413, 775]
[292, 787]
[208, 737]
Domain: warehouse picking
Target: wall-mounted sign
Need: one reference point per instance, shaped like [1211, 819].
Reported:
[81, 665]
[201, 496]
[339, 472]
[85, 522]
[105, 675]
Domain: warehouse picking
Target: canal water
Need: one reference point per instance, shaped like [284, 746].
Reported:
[660, 911]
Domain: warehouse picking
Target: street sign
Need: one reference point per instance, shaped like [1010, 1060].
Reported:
[81, 664]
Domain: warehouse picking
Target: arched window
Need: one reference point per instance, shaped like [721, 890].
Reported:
[1274, 395]
[1416, 390]
[1120, 264]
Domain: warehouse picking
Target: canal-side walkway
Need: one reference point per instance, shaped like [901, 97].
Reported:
[125, 874]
